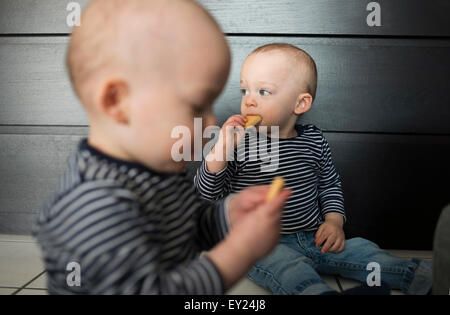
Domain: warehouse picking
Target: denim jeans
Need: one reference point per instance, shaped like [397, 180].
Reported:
[294, 265]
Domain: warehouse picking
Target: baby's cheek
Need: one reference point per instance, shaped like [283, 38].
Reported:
[182, 141]
[156, 150]
[171, 157]
[269, 116]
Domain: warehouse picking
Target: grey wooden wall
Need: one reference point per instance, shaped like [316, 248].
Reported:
[383, 101]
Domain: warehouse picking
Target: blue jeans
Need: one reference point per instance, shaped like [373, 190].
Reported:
[294, 265]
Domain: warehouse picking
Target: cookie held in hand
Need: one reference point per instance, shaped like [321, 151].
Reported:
[275, 188]
[252, 120]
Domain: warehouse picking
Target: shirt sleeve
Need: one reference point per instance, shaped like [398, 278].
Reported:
[141, 271]
[214, 186]
[122, 253]
[331, 197]
[212, 223]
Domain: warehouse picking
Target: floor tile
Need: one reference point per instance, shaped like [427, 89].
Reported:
[39, 283]
[17, 238]
[20, 262]
[331, 281]
[348, 283]
[32, 292]
[247, 287]
[7, 291]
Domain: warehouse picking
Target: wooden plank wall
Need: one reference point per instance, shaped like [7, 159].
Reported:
[383, 102]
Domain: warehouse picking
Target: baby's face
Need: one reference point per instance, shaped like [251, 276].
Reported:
[167, 62]
[269, 87]
[161, 105]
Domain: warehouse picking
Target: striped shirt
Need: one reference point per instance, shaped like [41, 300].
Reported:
[303, 161]
[130, 229]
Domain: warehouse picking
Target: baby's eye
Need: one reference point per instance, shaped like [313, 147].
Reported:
[244, 92]
[264, 92]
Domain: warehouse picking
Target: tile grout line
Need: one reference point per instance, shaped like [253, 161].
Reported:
[339, 283]
[24, 286]
[16, 240]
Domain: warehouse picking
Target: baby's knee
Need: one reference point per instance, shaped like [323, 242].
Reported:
[282, 256]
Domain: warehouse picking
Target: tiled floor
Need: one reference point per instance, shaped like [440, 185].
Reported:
[21, 268]
[22, 271]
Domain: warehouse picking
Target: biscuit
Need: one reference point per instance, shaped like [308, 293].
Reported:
[275, 188]
[252, 120]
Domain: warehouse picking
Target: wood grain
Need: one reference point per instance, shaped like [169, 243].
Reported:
[313, 17]
[365, 85]
[395, 186]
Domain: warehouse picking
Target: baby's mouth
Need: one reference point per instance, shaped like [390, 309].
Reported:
[253, 120]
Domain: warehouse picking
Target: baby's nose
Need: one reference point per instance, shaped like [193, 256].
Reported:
[251, 102]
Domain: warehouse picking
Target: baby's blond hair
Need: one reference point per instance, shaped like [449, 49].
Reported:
[302, 58]
[108, 40]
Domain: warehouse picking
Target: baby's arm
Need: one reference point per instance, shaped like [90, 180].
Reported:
[216, 160]
[252, 236]
[213, 186]
[250, 212]
[141, 267]
[217, 169]
[125, 256]
[331, 197]
[212, 223]
[330, 234]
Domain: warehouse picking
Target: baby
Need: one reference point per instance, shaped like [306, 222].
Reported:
[126, 218]
[278, 83]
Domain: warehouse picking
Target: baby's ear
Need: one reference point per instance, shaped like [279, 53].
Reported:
[114, 101]
[303, 103]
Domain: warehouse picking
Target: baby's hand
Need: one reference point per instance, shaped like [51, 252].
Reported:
[332, 234]
[256, 223]
[228, 139]
[255, 232]
[223, 150]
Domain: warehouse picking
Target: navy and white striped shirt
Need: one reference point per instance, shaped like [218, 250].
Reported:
[303, 161]
[131, 230]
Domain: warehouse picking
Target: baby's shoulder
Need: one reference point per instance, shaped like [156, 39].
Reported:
[309, 130]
